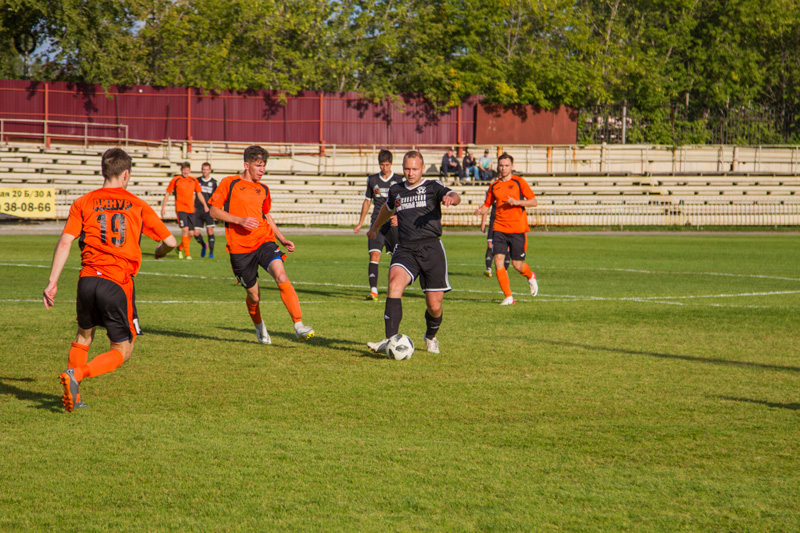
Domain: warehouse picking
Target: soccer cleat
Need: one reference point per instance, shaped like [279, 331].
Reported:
[188, 257]
[534, 285]
[211, 255]
[372, 296]
[70, 398]
[203, 251]
[432, 344]
[508, 301]
[378, 347]
[261, 334]
[303, 332]
[181, 255]
[80, 405]
[488, 272]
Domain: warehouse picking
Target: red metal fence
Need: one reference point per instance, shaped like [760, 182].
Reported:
[161, 113]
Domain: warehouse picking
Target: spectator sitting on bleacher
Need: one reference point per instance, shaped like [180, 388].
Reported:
[450, 165]
[470, 166]
[485, 165]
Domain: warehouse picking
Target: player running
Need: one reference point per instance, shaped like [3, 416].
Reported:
[377, 189]
[184, 187]
[243, 203]
[512, 195]
[419, 252]
[201, 216]
[110, 222]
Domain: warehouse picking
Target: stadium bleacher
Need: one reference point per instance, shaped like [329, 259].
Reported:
[312, 189]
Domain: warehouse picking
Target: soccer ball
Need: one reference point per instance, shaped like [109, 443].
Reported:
[400, 347]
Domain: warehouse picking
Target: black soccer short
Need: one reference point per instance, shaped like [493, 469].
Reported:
[517, 243]
[426, 259]
[186, 220]
[245, 266]
[203, 218]
[102, 302]
[386, 238]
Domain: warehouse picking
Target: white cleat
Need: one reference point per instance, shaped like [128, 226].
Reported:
[534, 286]
[261, 334]
[508, 301]
[432, 344]
[303, 332]
[378, 347]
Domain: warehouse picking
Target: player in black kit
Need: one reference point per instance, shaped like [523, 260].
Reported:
[419, 252]
[377, 189]
[208, 185]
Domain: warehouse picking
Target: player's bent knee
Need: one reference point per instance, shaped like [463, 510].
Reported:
[125, 348]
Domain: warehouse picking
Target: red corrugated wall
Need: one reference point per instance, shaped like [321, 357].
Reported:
[179, 113]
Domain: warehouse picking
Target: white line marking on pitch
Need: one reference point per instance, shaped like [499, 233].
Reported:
[643, 299]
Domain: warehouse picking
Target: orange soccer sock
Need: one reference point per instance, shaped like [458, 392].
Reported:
[255, 311]
[185, 244]
[78, 355]
[502, 279]
[290, 300]
[102, 364]
[526, 271]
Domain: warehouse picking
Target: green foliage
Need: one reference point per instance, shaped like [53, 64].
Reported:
[651, 386]
[703, 54]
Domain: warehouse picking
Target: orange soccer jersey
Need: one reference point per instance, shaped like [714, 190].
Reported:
[243, 198]
[110, 223]
[183, 188]
[509, 218]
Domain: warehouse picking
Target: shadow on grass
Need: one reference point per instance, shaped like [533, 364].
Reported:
[350, 294]
[189, 335]
[345, 345]
[50, 402]
[692, 358]
[790, 406]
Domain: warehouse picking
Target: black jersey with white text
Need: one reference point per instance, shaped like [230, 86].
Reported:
[418, 209]
[208, 187]
[378, 189]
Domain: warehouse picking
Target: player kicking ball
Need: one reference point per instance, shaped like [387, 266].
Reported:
[419, 252]
[110, 222]
[243, 203]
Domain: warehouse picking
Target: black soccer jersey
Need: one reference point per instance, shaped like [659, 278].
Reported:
[418, 209]
[208, 188]
[378, 189]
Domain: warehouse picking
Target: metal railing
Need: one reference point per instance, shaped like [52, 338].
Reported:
[47, 134]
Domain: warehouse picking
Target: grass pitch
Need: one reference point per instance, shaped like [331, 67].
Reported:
[652, 385]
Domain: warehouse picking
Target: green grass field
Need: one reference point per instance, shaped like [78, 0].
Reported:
[653, 385]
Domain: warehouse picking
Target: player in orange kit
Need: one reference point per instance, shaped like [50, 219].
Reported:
[185, 187]
[512, 195]
[110, 222]
[243, 203]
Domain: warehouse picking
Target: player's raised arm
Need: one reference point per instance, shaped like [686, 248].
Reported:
[451, 198]
[529, 202]
[220, 214]
[60, 256]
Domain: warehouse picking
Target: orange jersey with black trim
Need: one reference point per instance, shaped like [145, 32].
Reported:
[243, 198]
[109, 223]
[184, 189]
[509, 218]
